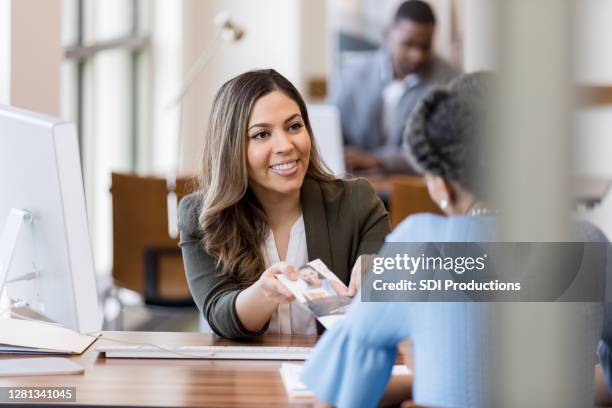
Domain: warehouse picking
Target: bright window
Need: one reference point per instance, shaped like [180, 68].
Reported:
[104, 76]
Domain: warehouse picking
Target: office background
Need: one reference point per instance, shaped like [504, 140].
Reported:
[113, 66]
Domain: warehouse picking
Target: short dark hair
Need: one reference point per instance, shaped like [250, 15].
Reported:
[446, 132]
[415, 10]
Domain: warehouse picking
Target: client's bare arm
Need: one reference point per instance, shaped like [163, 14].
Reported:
[602, 394]
[399, 388]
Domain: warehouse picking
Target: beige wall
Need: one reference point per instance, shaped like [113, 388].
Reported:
[287, 35]
[5, 51]
[447, 40]
[35, 55]
[314, 45]
[479, 34]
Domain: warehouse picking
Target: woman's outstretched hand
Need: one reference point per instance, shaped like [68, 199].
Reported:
[360, 268]
[256, 304]
[272, 288]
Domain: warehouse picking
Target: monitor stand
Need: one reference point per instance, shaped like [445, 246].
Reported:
[8, 242]
[28, 317]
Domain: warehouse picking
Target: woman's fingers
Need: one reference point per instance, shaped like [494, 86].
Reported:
[278, 291]
[284, 268]
[361, 266]
[282, 290]
[287, 270]
[274, 288]
[353, 287]
[355, 281]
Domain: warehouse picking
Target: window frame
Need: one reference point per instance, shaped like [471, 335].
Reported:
[81, 53]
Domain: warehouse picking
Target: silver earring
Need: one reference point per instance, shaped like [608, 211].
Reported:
[443, 203]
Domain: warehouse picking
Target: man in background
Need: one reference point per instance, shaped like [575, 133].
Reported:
[376, 94]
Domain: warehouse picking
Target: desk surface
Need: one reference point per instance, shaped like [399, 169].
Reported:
[149, 382]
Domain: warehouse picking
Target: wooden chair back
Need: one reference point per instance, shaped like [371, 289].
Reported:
[409, 196]
[141, 240]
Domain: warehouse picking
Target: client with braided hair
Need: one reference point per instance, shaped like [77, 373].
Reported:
[455, 348]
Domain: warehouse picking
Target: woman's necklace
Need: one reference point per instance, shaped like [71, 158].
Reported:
[479, 209]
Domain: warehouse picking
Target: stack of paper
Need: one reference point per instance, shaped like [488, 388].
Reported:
[291, 375]
[25, 336]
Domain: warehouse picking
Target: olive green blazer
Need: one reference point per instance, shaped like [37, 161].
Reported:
[343, 219]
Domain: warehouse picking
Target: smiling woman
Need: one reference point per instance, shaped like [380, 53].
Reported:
[267, 205]
[278, 149]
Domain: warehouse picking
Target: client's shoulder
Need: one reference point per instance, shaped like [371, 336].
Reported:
[189, 214]
[588, 232]
[437, 228]
[423, 227]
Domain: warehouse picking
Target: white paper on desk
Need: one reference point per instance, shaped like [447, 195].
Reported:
[329, 321]
[4, 348]
[291, 375]
[40, 337]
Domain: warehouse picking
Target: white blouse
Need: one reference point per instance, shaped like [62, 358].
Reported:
[290, 318]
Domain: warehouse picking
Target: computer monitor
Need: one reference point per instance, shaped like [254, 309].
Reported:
[325, 122]
[45, 251]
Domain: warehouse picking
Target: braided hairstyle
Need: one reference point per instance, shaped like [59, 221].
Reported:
[444, 134]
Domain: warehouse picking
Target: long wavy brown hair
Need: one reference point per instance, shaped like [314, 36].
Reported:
[233, 221]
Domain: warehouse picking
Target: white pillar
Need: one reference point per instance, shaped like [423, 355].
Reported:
[593, 53]
[534, 127]
[537, 343]
[167, 61]
[479, 35]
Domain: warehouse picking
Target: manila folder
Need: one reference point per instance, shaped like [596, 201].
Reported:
[39, 337]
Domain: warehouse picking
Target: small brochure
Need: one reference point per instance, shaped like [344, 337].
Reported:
[321, 291]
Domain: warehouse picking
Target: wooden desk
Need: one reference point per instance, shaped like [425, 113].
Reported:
[383, 183]
[174, 382]
[405, 194]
